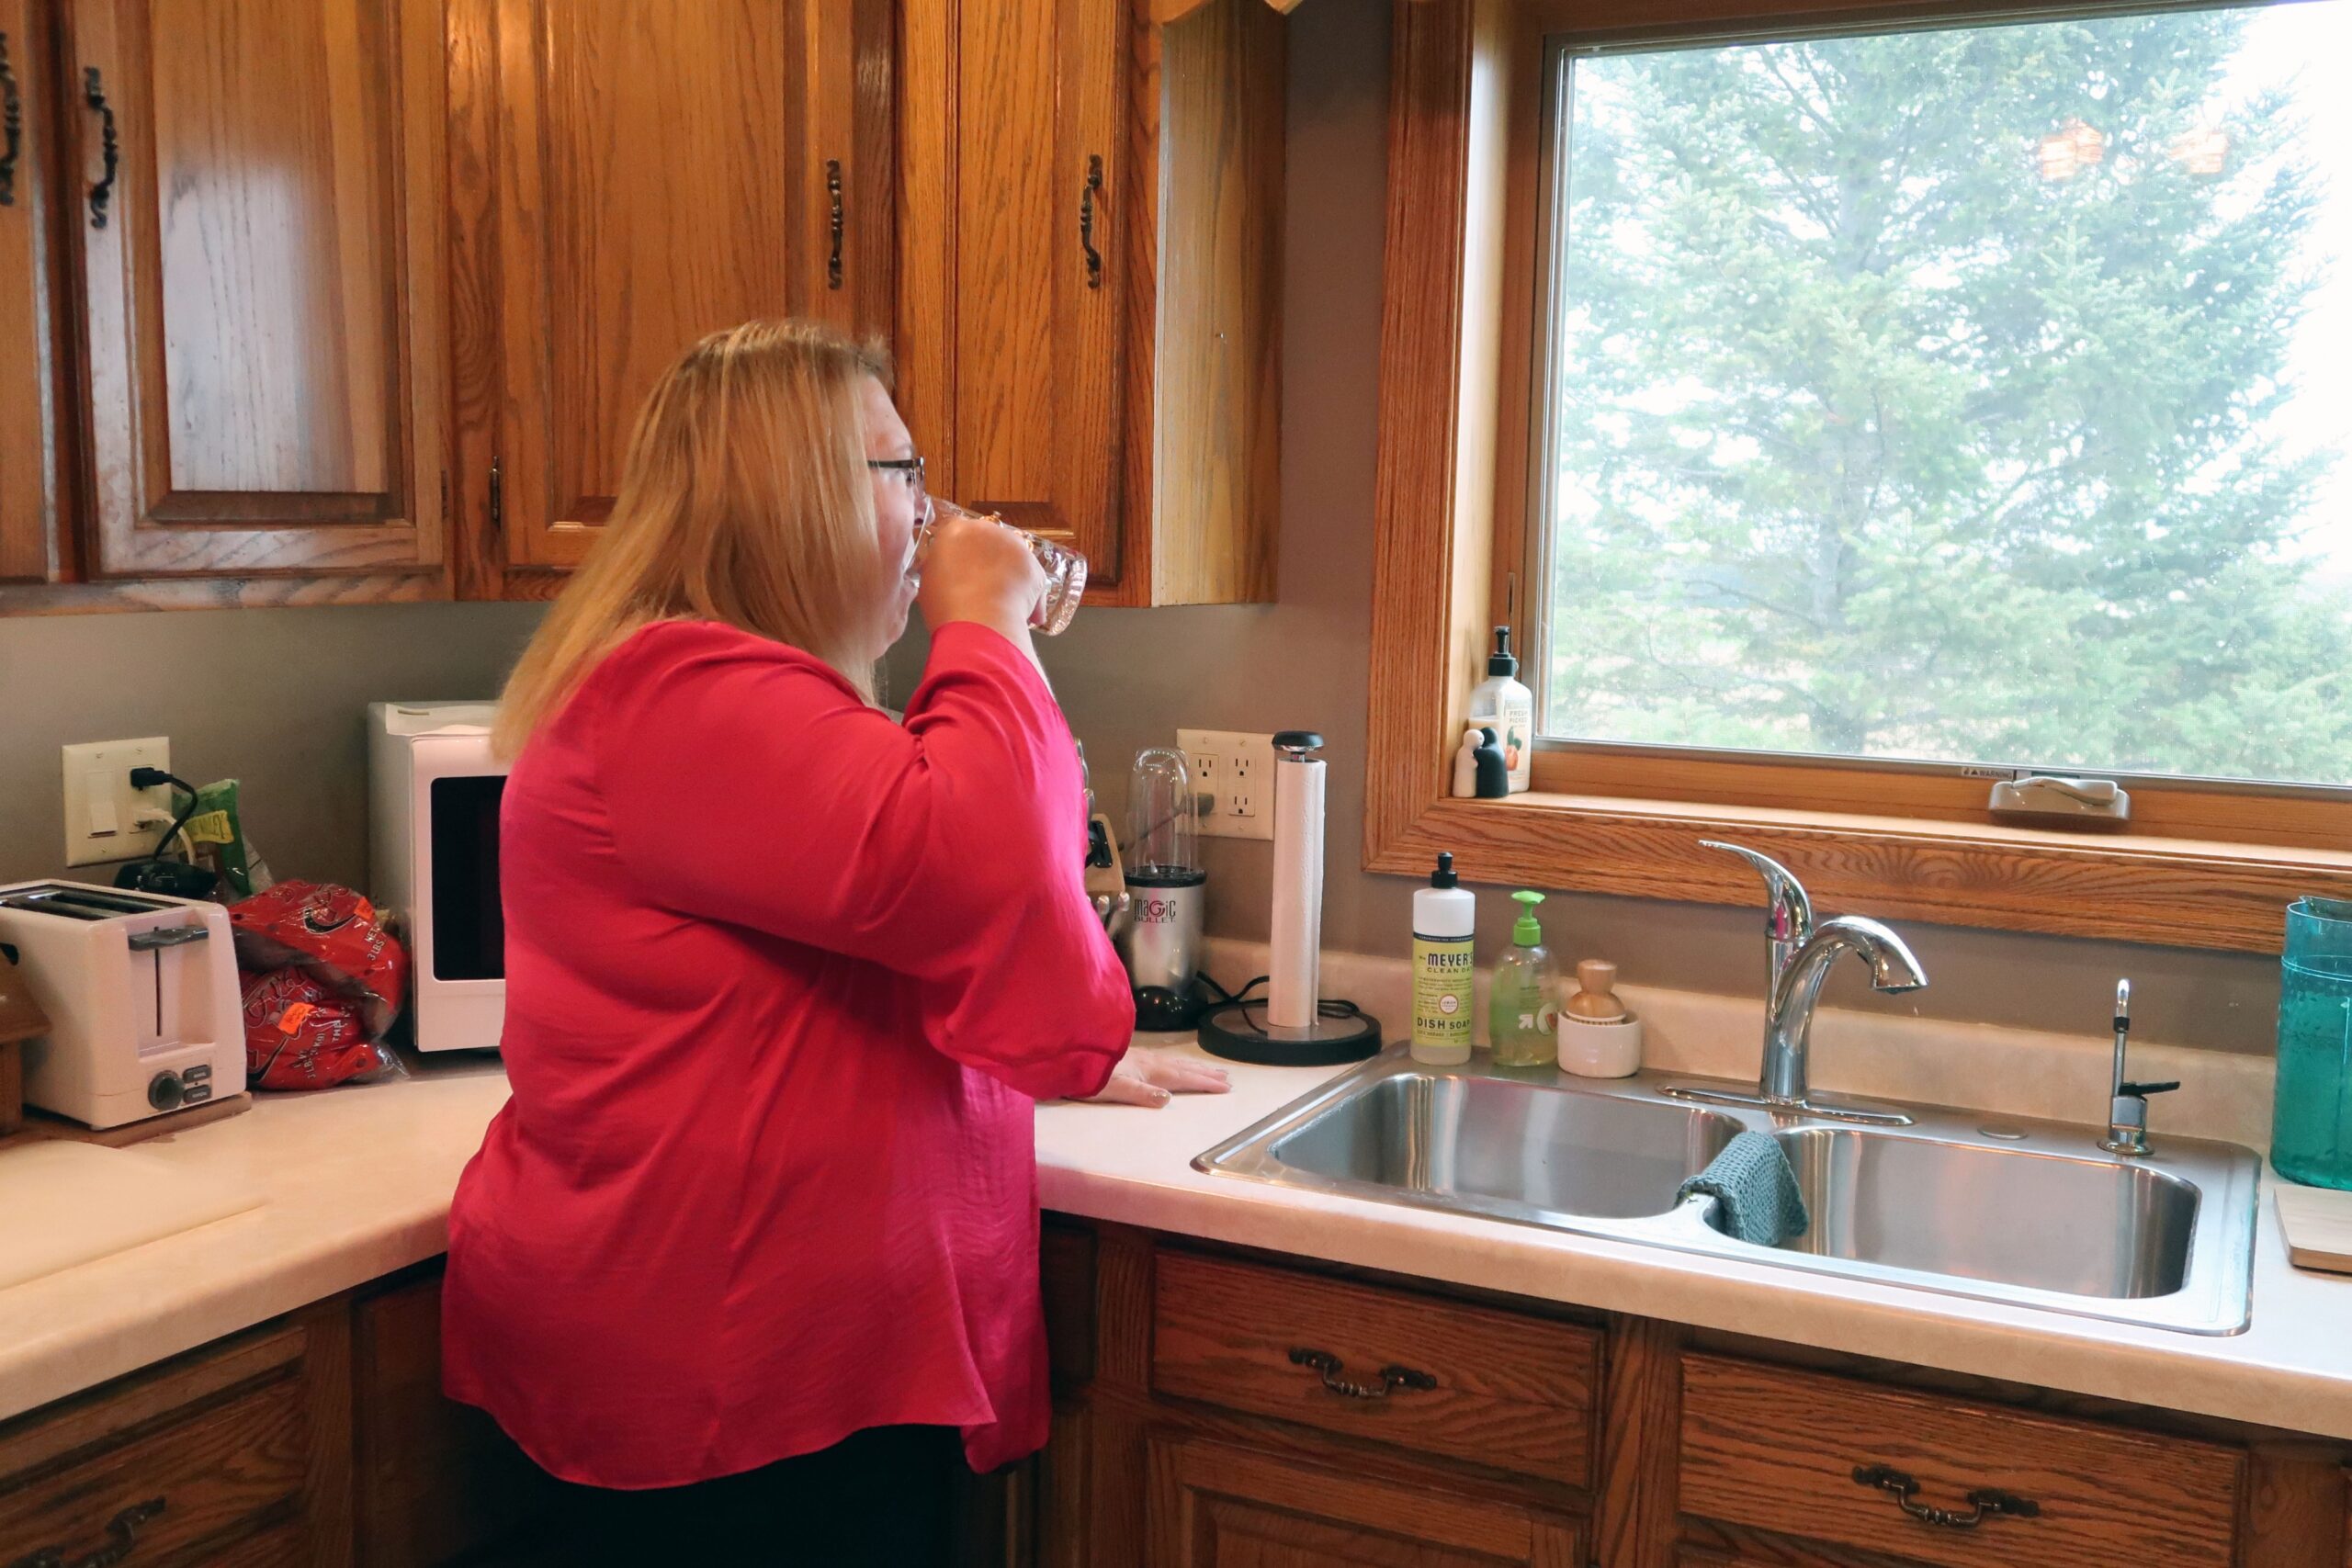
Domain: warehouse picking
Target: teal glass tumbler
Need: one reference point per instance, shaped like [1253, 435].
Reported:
[2310, 1126]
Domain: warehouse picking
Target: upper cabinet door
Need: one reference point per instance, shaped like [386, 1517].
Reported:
[29, 538]
[1019, 201]
[663, 169]
[256, 187]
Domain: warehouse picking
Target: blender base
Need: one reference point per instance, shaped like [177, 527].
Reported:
[1238, 1032]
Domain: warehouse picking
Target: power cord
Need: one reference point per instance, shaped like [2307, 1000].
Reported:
[1325, 1007]
[148, 778]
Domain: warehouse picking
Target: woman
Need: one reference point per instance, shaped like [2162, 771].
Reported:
[752, 1251]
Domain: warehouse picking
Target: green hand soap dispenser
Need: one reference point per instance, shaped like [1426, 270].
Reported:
[1522, 1019]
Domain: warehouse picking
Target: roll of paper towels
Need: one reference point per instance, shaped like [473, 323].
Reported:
[1294, 974]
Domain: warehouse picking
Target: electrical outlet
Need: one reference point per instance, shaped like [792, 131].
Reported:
[1236, 772]
[105, 820]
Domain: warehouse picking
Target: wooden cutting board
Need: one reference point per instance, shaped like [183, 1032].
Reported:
[2317, 1223]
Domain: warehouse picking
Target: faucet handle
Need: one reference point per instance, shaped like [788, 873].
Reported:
[1788, 918]
[2146, 1090]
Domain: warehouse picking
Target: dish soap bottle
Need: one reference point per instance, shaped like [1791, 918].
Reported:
[1520, 1021]
[1446, 919]
[1513, 707]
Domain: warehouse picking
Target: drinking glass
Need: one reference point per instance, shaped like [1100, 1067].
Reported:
[1065, 569]
[2310, 1138]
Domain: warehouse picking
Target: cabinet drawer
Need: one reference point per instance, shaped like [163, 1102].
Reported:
[1778, 1451]
[226, 1469]
[1466, 1381]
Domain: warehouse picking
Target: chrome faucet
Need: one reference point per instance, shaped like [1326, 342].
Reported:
[1800, 955]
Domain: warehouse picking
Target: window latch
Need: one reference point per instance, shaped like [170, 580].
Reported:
[2048, 800]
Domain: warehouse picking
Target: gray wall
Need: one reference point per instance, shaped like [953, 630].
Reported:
[1128, 678]
[273, 698]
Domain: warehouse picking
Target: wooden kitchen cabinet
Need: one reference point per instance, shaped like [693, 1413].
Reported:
[255, 197]
[32, 474]
[630, 176]
[1536, 1436]
[1217, 1506]
[436, 1482]
[236, 1454]
[1088, 311]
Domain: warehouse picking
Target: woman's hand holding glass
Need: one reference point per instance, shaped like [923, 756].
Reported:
[975, 568]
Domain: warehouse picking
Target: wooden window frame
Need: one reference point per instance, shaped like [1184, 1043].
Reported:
[2197, 869]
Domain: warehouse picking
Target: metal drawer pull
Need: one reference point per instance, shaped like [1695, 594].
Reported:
[833, 196]
[1327, 1366]
[1086, 221]
[12, 116]
[1985, 1503]
[94, 93]
[124, 1530]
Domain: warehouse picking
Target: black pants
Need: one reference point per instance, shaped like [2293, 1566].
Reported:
[880, 1498]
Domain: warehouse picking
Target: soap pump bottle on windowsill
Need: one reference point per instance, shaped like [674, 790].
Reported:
[1502, 701]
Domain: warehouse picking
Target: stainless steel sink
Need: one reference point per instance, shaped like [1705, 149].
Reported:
[2032, 1213]
[1445, 1136]
[2083, 1226]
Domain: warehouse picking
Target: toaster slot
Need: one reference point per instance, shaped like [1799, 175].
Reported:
[181, 980]
[80, 903]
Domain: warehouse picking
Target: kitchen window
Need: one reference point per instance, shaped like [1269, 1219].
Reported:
[1974, 396]
[1851, 407]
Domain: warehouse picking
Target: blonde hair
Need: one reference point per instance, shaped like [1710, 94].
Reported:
[744, 500]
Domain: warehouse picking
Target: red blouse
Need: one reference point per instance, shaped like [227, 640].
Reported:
[783, 979]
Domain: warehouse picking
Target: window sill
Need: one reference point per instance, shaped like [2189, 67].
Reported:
[2124, 887]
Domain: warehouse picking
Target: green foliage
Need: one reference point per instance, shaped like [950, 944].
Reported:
[1875, 440]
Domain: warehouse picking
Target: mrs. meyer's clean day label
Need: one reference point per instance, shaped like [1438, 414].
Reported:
[1445, 968]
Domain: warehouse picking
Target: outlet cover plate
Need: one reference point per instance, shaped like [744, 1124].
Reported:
[103, 813]
[1238, 770]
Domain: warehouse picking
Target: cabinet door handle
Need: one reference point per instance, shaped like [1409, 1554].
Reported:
[1327, 1366]
[94, 93]
[1985, 1503]
[1086, 220]
[123, 1529]
[12, 124]
[833, 195]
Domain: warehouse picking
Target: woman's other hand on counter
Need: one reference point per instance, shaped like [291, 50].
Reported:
[1144, 1076]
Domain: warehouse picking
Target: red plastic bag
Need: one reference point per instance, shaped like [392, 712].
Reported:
[322, 981]
[299, 1036]
[330, 933]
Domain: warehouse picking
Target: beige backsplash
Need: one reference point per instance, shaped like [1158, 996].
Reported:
[2019, 1072]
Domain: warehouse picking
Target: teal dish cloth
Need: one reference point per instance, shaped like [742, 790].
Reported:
[1755, 1191]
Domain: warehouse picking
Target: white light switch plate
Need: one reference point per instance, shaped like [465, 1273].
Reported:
[1238, 770]
[105, 820]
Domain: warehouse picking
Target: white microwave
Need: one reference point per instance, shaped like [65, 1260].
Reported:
[434, 793]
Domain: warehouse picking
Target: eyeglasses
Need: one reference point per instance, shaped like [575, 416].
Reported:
[911, 466]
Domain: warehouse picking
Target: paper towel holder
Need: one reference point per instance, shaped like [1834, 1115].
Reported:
[1293, 1026]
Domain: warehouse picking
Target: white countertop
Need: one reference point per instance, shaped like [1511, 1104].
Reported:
[358, 1184]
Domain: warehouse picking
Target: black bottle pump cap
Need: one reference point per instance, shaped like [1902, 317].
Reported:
[1502, 661]
[1443, 877]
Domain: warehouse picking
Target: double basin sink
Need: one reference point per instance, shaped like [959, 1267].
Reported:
[2032, 1214]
